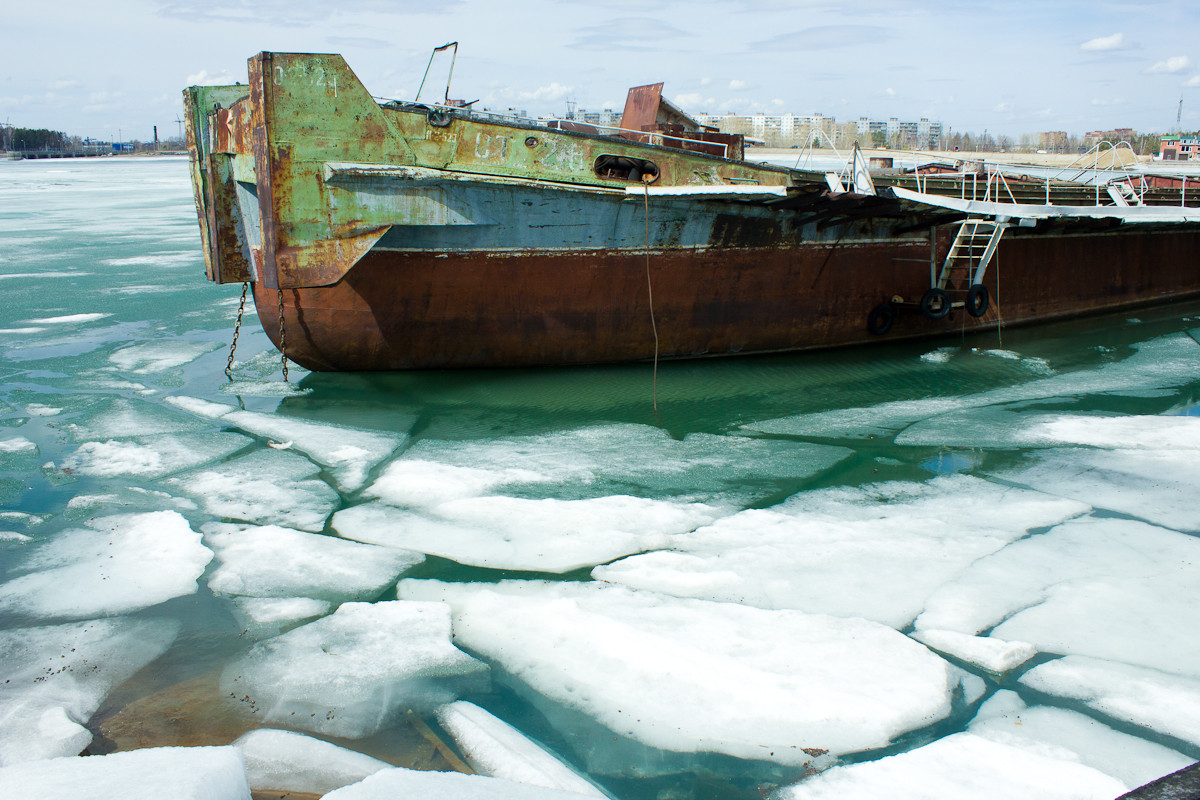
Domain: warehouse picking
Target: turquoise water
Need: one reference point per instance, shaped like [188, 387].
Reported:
[107, 321]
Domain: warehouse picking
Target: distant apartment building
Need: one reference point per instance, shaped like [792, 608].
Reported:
[1179, 148]
[1053, 141]
[1115, 136]
[799, 130]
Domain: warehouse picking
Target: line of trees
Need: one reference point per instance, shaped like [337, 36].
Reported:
[34, 139]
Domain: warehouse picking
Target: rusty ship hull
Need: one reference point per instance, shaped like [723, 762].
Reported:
[383, 236]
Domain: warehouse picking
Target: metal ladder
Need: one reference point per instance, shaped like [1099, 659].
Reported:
[972, 250]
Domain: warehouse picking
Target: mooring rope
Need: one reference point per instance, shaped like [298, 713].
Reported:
[650, 290]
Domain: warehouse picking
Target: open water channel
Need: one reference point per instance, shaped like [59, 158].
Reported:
[952, 569]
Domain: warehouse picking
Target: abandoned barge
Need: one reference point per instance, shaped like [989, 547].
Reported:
[383, 235]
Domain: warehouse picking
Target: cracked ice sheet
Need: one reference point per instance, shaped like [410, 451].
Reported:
[1158, 364]
[999, 428]
[1158, 486]
[547, 535]
[964, 767]
[694, 676]
[268, 487]
[121, 418]
[1005, 718]
[601, 459]
[270, 561]
[349, 453]
[876, 551]
[154, 357]
[355, 671]
[1108, 588]
[118, 564]
[57, 676]
[1160, 701]
[152, 457]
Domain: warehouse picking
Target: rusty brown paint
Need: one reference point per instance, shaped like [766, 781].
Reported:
[406, 311]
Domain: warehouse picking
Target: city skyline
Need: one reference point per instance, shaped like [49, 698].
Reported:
[1009, 68]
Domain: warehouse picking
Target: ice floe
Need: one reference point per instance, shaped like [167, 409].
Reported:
[271, 561]
[1103, 587]
[152, 457]
[1160, 701]
[201, 408]
[964, 767]
[547, 535]
[180, 773]
[989, 654]
[645, 667]
[597, 460]
[56, 676]
[263, 617]
[1006, 718]
[114, 565]
[1155, 485]
[495, 748]
[68, 319]
[1003, 427]
[267, 487]
[351, 673]
[292, 762]
[155, 357]
[121, 418]
[876, 551]
[429, 785]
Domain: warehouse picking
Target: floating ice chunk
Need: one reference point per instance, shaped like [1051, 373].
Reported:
[1110, 588]
[262, 617]
[292, 762]
[13, 536]
[516, 533]
[1006, 719]
[17, 444]
[67, 319]
[181, 773]
[352, 672]
[643, 665]
[152, 457]
[263, 387]
[1160, 701]
[348, 452]
[22, 518]
[608, 459]
[429, 785]
[121, 564]
[493, 747]
[155, 357]
[55, 677]
[999, 428]
[963, 767]
[417, 482]
[268, 487]
[201, 408]
[127, 499]
[271, 561]
[120, 418]
[992, 655]
[942, 355]
[1155, 485]
[18, 453]
[876, 551]
[860, 423]
[40, 410]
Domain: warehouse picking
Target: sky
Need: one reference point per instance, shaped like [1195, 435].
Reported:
[116, 68]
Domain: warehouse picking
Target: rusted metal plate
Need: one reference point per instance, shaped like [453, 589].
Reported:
[641, 108]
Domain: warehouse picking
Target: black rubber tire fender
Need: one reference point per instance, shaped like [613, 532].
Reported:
[880, 320]
[977, 300]
[935, 304]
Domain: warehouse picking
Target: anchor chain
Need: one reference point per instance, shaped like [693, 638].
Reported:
[237, 327]
[282, 336]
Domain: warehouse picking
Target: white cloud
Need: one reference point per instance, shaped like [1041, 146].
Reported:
[1192, 81]
[705, 81]
[1001, 107]
[694, 101]
[890, 92]
[1114, 42]
[555, 91]
[202, 78]
[1172, 65]
[57, 86]
[735, 85]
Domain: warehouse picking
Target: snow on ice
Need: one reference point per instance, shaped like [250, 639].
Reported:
[285, 761]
